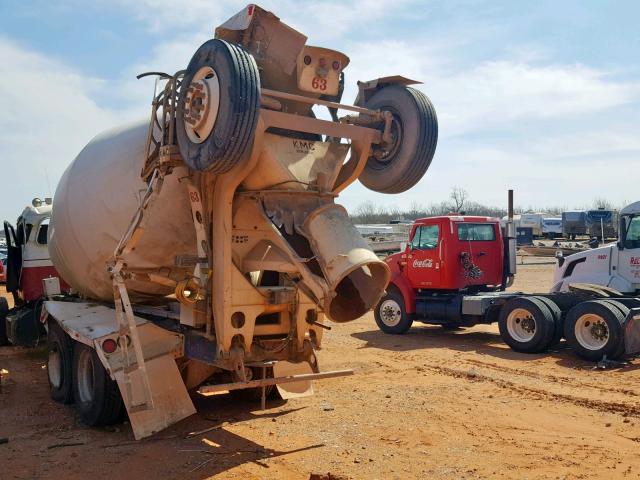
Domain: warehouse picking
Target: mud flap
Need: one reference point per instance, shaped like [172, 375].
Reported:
[293, 389]
[171, 401]
[632, 332]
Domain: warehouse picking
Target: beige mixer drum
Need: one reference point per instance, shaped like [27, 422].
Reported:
[95, 200]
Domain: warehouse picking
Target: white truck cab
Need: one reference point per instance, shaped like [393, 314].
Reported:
[615, 265]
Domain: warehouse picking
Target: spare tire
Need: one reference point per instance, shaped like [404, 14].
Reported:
[218, 107]
[415, 135]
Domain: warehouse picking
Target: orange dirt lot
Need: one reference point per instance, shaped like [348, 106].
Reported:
[430, 404]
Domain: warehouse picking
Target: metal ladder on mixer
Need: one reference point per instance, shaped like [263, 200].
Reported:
[161, 155]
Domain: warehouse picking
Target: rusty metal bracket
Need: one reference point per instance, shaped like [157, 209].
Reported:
[161, 148]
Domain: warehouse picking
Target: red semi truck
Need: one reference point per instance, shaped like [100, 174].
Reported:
[454, 272]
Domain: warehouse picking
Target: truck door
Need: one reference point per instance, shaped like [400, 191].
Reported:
[423, 258]
[14, 260]
[629, 256]
[480, 244]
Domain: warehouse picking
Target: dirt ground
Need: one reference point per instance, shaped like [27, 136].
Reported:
[430, 404]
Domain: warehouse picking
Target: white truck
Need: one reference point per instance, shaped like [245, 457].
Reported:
[612, 272]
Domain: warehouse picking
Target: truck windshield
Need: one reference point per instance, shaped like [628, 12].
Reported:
[425, 237]
[632, 240]
[476, 232]
[42, 232]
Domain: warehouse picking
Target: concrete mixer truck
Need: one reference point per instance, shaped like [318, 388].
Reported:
[204, 246]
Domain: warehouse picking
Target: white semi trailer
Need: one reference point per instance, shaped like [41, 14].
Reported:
[204, 246]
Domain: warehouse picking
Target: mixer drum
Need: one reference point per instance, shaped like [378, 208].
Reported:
[93, 206]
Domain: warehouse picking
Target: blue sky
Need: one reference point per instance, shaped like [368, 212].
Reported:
[540, 96]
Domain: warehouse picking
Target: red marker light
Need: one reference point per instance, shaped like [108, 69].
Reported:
[307, 60]
[109, 345]
[336, 65]
[250, 9]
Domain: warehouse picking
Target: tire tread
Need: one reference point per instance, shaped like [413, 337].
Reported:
[229, 143]
[426, 146]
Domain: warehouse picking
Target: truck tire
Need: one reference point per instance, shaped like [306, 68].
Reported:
[415, 136]
[558, 331]
[526, 324]
[96, 395]
[60, 364]
[220, 134]
[391, 314]
[595, 328]
[4, 309]
[624, 311]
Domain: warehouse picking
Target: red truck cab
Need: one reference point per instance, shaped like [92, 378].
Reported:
[447, 260]
[451, 253]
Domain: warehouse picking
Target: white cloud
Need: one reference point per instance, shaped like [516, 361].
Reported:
[318, 19]
[505, 91]
[472, 98]
[521, 119]
[553, 132]
[48, 116]
[160, 16]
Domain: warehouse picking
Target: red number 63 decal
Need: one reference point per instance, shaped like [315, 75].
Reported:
[319, 83]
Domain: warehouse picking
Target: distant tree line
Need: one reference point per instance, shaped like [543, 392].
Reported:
[458, 201]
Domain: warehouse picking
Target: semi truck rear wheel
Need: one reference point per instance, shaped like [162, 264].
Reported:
[218, 107]
[96, 395]
[594, 329]
[391, 314]
[415, 135]
[4, 309]
[557, 319]
[60, 364]
[526, 325]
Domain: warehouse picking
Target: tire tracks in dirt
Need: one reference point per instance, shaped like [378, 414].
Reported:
[624, 409]
[565, 381]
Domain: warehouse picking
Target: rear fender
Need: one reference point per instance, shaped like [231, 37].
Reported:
[368, 88]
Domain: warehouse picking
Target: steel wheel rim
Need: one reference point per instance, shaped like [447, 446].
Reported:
[521, 325]
[54, 368]
[592, 331]
[390, 313]
[397, 134]
[85, 376]
[201, 105]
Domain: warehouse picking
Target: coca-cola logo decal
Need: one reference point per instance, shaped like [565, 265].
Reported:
[426, 263]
